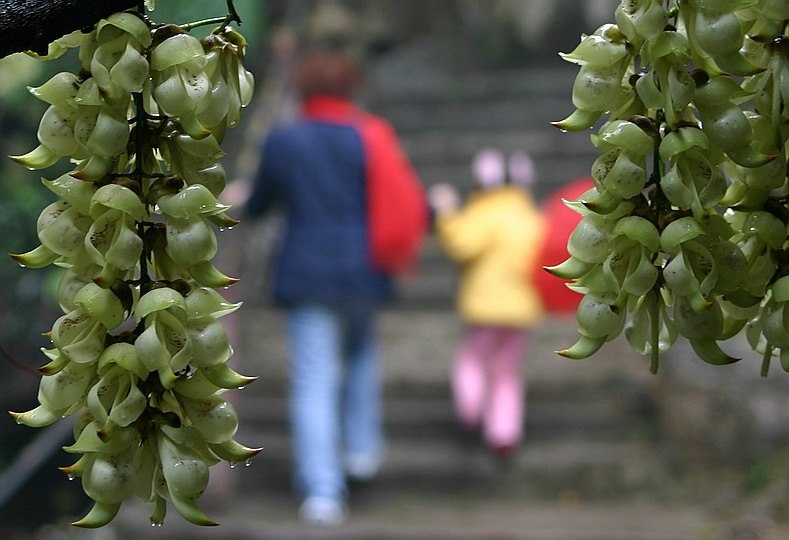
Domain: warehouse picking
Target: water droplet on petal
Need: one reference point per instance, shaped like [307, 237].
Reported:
[70, 477]
[248, 462]
[232, 464]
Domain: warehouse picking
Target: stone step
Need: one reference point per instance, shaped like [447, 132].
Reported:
[428, 411]
[413, 516]
[434, 148]
[417, 348]
[511, 114]
[593, 467]
[437, 88]
[599, 445]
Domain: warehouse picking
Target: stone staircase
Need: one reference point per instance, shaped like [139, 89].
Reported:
[589, 424]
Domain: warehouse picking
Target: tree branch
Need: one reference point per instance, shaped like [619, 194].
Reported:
[30, 25]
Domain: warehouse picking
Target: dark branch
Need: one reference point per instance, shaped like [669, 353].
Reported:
[30, 25]
[18, 364]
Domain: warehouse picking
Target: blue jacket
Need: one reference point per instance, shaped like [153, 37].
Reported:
[315, 171]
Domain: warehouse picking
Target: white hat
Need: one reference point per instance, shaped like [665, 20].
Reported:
[489, 168]
[521, 169]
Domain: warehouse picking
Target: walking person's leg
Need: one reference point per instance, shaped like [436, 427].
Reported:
[363, 415]
[469, 375]
[505, 408]
[315, 378]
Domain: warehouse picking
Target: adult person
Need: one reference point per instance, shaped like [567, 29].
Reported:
[355, 215]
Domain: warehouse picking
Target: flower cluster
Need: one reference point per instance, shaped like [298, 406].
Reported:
[685, 231]
[140, 354]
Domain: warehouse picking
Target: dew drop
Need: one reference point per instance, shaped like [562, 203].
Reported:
[19, 422]
[222, 229]
[240, 387]
[248, 462]
[157, 524]
[232, 464]
[70, 477]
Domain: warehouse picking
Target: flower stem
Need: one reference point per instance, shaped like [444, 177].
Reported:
[138, 175]
[654, 331]
[205, 22]
[768, 353]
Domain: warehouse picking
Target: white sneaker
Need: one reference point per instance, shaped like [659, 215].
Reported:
[322, 511]
[362, 467]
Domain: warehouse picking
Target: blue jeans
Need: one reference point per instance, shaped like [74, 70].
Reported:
[335, 394]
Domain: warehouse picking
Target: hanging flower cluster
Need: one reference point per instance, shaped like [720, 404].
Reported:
[140, 354]
[685, 233]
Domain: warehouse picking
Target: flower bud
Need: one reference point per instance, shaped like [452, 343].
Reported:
[66, 387]
[209, 341]
[130, 72]
[597, 317]
[175, 50]
[717, 32]
[77, 193]
[79, 337]
[194, 200]
[113, 240]
[59, 91]
[701, 326]
[768, 228]
[627, 177]
[589, 241]
[101, 304]
[56, 131]
[110, 479]
[110, 134]
[190, 241]
[204, 301]
[212, 416]
[597, 87]
[117, 197]
[62, 229]
[679, 231]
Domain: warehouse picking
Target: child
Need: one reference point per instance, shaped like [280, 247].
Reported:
[495, 240]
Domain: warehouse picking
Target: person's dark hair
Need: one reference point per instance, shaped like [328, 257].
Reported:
[327, 72]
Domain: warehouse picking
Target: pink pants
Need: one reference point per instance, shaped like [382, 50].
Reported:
[488, 384]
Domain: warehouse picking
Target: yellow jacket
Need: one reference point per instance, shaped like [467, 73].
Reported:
[496, 240]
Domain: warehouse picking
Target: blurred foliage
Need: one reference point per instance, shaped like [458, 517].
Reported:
[251, 13]
[28, 300]
[22, 197]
